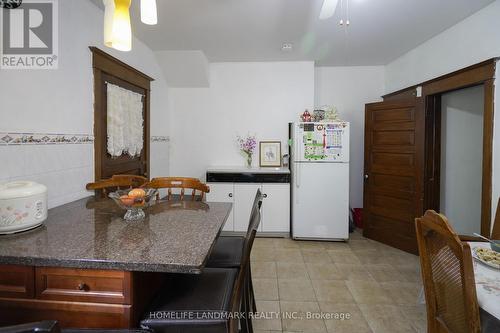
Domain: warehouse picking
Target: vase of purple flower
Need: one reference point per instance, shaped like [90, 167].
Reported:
[247, 147]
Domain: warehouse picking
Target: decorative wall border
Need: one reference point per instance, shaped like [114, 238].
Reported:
[158, 138]
[11, 138]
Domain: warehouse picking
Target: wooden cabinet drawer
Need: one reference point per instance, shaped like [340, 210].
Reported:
[17, 281]
[83, 285]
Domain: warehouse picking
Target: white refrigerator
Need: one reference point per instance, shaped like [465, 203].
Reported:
[319, 164]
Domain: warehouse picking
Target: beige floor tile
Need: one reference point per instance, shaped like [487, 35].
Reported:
[403, 258]
[345, 257]
[345, 318]
[312, 245]
[410, 273]
[300, 310]
[369, 257]
[292, 270]
[288, 255]
[285, 243]
[361, 244]
[368, 292]
[264, 269]
[386, 319]
[323, 271]
[385, 273]
[417, 316]
[268, 316]
[354, 272]
[332, 291]
[337, 246]
[316, 256]
[263, 254]
[264, 242]
[266, 289]
[403, 293]
[296, 290]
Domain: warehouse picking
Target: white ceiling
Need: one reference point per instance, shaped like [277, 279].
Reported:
[254, 30]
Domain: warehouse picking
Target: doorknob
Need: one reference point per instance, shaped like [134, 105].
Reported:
[230, 195]
[366, 176]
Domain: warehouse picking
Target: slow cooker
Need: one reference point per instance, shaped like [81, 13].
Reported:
[23, 206]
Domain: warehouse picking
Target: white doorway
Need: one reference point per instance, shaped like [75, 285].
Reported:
[462, 116]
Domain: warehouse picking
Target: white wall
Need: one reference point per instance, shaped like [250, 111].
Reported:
[256, 98]
[461, 158]
[61, 101]
[471, 41]
[349, 89]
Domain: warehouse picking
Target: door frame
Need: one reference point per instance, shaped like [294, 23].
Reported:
[479, 74]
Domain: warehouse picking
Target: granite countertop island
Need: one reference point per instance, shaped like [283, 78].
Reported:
[175, 237]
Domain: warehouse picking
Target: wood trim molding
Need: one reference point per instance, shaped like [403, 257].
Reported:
[485, 65]
[479, 74]
[114, 66]
[470, 76]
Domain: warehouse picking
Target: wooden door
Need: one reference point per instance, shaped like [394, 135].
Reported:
[393, 187]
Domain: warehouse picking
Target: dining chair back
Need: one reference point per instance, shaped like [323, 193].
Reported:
[181, 183]
[243, 272]
[495, 233]
[448, 277]
[105, 186]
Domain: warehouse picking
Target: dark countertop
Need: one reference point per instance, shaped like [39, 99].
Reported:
[175, 237]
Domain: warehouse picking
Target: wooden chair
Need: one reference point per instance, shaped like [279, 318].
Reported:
[448, 276]
[183, 183]
[495, 233]
[117, 182]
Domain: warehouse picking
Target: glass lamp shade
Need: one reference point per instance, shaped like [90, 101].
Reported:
[117, 29]
[148, 12]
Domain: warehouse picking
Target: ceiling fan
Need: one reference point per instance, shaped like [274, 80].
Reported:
[330, 6]
[117, 28]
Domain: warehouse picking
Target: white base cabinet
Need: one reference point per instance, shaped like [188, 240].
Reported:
[275, 205]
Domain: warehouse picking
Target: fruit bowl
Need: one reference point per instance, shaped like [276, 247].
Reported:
[134, 201]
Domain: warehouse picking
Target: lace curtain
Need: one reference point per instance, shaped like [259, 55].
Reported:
[125, 122]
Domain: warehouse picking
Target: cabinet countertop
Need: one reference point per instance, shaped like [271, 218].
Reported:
[239, 169]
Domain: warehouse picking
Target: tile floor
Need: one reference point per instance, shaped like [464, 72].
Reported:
[378, 286]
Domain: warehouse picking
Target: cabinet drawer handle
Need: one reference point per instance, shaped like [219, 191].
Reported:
[82, 286]
[265, 195]
[230, 195]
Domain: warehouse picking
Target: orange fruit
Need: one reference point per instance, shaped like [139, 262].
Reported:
[137, 193]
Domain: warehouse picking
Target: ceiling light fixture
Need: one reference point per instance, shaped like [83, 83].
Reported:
[148, 12]
[328, 9]
[117, 29]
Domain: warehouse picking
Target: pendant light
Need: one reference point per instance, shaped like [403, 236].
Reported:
[148, 12]
[328, 9]
[117, 29]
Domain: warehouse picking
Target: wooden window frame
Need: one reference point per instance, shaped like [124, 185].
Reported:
[107, 68]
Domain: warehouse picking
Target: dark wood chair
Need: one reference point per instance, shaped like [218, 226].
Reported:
[228, 252]
[448, 277]
[205, 302]
[495, 233]
[106, 186]
[181, 183]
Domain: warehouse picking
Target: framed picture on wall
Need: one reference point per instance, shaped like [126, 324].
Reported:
[270, 153]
